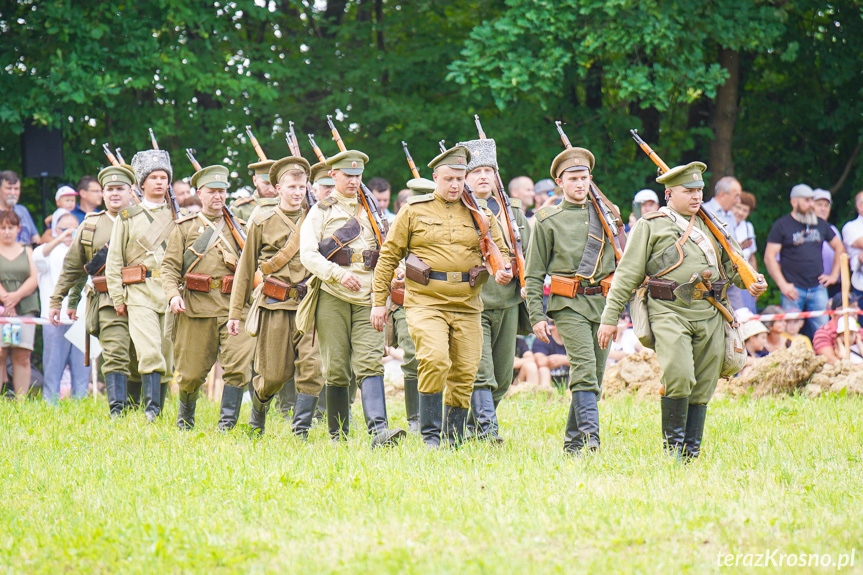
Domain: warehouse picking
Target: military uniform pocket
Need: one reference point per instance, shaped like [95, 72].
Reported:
[429, 230]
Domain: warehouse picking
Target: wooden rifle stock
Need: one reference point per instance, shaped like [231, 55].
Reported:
[153, 141]
[136, 193]
[119, 155]
[747, 274]
[411, 163]
[318, 153]
[254, 141]
[110, 155]
[293, 144]
[494, 259]
[190, 153]
[508, 216]
[335, 133]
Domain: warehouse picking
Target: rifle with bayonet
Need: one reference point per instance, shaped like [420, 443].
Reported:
[230, 220]
[294, 146]
[172, 198]
[379, 223]
[508, 216]
[137, 196]
[490, 252]
[747, 274]
[611, 221]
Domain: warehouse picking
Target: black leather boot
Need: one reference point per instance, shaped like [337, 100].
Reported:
[454, 419]
[431, 414]
[163, 393]
[674, 416]
[587, 418]
[375, 411]
[115, 382]
[412, 405]
[572, 439]
[287, 398]
[694, 430]
[186, 410]
[258, 415]
[133, 394]
[229, 410]
[482, 408]
[151, 389]
[304, 410]
[338, 411]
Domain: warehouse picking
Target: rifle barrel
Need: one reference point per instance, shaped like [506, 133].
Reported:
[335, 133]
[411, 163]
[442, 145]
[260, 152]
[563, 136]
[649, 151]
[119, 155]
[110, 155]
[316, 149]
[153, 139]
[479, 127]
[190, 153]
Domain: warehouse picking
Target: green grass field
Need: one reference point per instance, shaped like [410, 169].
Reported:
[84, 494]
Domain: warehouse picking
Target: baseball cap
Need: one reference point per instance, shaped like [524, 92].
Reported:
[544, 186]
[64, 191]
[646, 196]
[821, 194]
[802, 191]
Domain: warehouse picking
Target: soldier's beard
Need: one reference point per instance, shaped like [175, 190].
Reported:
[807, 218]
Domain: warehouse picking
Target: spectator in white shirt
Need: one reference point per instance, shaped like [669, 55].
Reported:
[726, 195]
[823, 202]
[852, 236]
[746, 238]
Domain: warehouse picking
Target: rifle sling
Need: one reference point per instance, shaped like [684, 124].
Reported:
[289, 250]
[202, 245]
[155, 236]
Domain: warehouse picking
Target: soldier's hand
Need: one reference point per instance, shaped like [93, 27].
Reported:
[72, 314]
[234, 327]
[503, 276]
[351, 282]
[759, 288]
[604, 334]
[54, 317]
[178, 305]
[398, 281]
[524, 293]
[379, 317]
[120, 309]
[542, 331]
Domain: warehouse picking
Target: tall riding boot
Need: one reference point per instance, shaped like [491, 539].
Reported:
[375, 411]
[412, 405]
[116, 384]
[453, 424]
[151, 395]
[694, 430]
[133, 394]
[338, 409]
[587, 416]
[321, 409]
[431, 414]
[163, 393]
[186, 410]
[572, 439]
[304, 410]
[287, 398]
[482, 408]
[674, 416]
[229, 410]
[258, 415]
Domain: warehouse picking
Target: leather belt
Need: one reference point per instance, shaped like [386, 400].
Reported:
[154, 273]
[450, 277]
[588, 290]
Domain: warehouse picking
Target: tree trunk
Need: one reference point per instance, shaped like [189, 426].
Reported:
[720, 161]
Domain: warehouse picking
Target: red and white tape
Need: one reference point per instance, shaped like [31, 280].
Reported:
[803, 314]
[32, 321]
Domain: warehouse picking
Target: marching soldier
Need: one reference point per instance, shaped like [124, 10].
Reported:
[273, 246]
[201, 258]
[400, 332]
[675, 249]
[444, 275]
[132, 271]
[265, 193]
[87, 256]
[339, 246]
[570, 244]
[500, 302]
[322, 183]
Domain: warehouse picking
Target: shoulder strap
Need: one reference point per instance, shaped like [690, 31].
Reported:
[155, 236]
[289, 250]
[203, 244]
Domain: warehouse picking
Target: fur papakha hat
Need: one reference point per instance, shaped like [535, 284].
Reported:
[483, 153]
[146, 162]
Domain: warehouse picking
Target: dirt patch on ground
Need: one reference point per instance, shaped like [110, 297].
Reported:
[637, 374]
[836, 378]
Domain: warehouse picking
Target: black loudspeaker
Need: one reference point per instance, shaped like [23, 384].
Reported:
[42, 152]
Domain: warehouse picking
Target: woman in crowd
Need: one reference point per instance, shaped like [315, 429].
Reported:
[57, 351]
[746, 238]
[18, 295]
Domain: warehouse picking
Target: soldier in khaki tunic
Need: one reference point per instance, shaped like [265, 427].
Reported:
[132, 271]
[501, 304]
[265, 193]
[436, 233]
[322, 183]
[570, 244]
[87, 256]
[339, 246]
[676, 250]
[200, 259]
[283, 353]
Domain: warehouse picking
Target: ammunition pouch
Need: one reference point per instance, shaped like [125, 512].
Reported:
[281, 291]
[570, 287]
[398, 296]
[100, 284]
[198, 282]
[347, 256]
[417, 270]
[137, 274]
[340, 239]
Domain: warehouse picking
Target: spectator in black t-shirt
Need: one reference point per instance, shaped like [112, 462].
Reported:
[799, 274]
[552, 361]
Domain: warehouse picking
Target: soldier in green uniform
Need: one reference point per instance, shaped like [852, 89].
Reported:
[570, 244]
[272, 247]
[87, 257]
[400, 333]
[200, 259]
[322, 183]
[500, 303]
[339, 246]
[675, 248]
[265, 193]
[436, 233]
[132, 271]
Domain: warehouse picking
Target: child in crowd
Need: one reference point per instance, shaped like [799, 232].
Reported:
[754, 334]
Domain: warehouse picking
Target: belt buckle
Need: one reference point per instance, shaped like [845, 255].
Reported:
[216, 283]
[293, 293]
[356, 258]
[155, 273]
[453, 277]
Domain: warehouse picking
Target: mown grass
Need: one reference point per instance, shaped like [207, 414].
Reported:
[84, 494]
